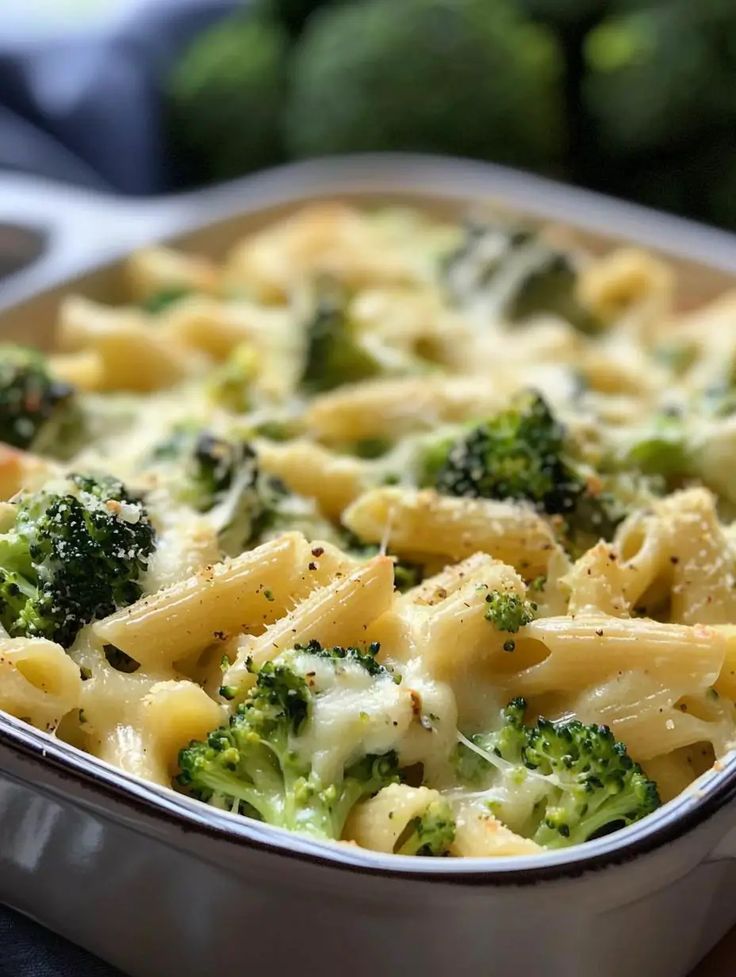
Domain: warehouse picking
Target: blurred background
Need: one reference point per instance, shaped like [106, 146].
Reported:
[636, 98]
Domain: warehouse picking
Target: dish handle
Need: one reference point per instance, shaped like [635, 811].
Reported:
[50, 231]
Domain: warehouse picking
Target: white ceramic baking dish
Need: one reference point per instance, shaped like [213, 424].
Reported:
[160, 885]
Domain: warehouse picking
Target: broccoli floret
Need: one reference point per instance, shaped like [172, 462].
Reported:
[518, 454]
[431, 833]
[522, 454]
[509, 612]
[558, 783]
[224, 99]
[34, 407]
[362, 73]
[263, 764]
[75, 553]
[333, 354]
[206, 465]
[511, 271]
[222, 477]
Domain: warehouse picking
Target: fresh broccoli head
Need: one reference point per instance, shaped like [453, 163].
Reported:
[431, 833]
[334, 355]
[509, 612]
[557, 783]
[34, 407]
[224, 99]
[279, 758]
[512, 272]
[458, 76]
[75, 553]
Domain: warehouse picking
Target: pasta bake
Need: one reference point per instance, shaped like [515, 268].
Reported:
[391, 531]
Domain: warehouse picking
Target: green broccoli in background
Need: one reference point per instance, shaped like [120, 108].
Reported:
[661, 76]
[225, 97]
[75, 553]
[35, 409]
[262, 763]
[453, 76]
[558, 783]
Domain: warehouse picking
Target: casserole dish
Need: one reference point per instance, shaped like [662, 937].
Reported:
[99, 856]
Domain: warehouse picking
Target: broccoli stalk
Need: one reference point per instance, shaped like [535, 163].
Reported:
[34, 407]
[558, 783]
[75, 553]
[431, 833]
[261, 764]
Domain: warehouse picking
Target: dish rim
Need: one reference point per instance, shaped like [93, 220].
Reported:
[389, 175]
[697, 804]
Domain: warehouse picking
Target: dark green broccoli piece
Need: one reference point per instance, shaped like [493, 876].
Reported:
[222, 477]
[224, 100]
[34, 407]
[455, 76]
[513, 272]
[431, 833]
[509, 612]
[522, 454]
[518, 454]
[212, 472]
[558, 783]
[333, 355]
[75, 553]
[261, 763]
[369, 448]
